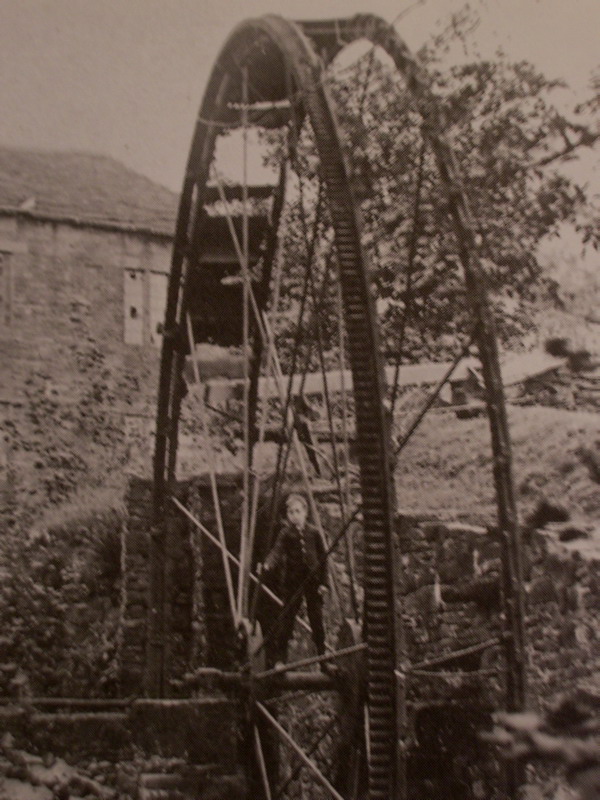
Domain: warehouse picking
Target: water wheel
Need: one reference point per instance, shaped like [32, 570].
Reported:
[271, 338]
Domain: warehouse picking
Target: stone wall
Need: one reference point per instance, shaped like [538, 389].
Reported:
[135, 551]
[197, 615]
[213, 619]
[451, 579]
[451, 587]
[452, 600]
[77, 402]
[181, 638]
[563, 606]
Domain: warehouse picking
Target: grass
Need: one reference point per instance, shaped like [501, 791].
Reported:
[447, 465]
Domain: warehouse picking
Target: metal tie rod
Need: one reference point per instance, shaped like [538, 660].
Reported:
[300, 753]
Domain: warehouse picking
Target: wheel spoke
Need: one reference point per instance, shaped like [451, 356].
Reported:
[248, 506]
[286, 401]
[307, 662]
[308, 762]
[261, 763]
[324, 733]
[231, 557]
[245, 543]
[297, 445]
[212, 475]
[290, 419]
[412, 252]
[299, 337]
[434, 395]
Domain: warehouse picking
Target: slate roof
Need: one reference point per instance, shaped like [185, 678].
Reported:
[83, 189]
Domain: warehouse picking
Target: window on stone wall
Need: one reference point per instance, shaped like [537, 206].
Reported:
[5, 288]
[158, 303]
[133, 298]
[144, 301]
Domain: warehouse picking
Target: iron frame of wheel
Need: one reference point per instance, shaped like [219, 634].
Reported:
[384, 640]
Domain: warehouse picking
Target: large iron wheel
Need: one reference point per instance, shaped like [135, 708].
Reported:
[302, 324]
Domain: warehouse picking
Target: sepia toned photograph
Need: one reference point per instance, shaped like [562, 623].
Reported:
[299, 400]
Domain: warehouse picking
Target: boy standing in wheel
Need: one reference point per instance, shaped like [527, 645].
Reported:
[299, 556]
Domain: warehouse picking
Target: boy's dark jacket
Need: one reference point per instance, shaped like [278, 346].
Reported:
[286, 554]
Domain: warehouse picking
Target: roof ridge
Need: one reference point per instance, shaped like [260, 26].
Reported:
[84, 186]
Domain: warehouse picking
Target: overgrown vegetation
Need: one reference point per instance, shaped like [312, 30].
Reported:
[59, 606]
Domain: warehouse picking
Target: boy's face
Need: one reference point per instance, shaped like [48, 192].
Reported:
[296, 513]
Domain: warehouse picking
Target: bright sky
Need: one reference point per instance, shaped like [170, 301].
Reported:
[125, 77]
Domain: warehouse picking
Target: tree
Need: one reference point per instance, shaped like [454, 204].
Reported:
[510, 141]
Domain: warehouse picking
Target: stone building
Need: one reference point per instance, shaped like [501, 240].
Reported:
[84, 257]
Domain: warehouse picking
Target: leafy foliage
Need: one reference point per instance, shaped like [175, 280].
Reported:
[59, 608]
[510, 141]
